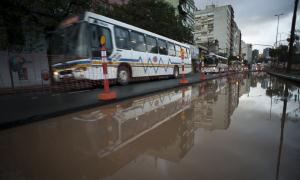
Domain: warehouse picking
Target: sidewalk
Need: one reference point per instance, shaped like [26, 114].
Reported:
[294, 76]
[21, 108]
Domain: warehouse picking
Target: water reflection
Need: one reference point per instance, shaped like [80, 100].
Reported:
[149, 131]
[282, 91]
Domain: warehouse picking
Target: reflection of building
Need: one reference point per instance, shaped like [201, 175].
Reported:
[210, 110]
[245, 87]
[178, 146]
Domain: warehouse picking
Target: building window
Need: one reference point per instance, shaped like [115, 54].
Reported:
[23, 74]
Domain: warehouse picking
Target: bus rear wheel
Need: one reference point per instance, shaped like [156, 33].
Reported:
[123, 75]
[175, 72]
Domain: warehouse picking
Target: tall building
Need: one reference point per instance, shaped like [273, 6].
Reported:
[266, 53]
[236, 48]
[246, 52]
[255, 55]
[186, 9]
[215, 25]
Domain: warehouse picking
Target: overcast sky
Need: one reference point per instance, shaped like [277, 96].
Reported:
[256, 19]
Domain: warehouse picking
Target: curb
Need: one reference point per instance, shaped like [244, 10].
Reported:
[283, 76]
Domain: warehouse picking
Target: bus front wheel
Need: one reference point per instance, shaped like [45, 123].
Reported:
[123, 75]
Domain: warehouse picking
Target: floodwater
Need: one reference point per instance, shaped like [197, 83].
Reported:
[240, 127]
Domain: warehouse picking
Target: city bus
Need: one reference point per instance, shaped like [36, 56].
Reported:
[131, 51]
[214, 64]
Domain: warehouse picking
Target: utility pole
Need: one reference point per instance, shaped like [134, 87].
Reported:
[292, 39]
[278, 17]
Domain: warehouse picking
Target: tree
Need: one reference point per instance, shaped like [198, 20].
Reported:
[156, 16]
[282, 53]
[273, 53]
[18, 17]
[232, 59]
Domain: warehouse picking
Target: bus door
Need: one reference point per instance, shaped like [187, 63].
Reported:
[96, 30]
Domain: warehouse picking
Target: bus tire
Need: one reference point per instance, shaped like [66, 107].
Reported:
[175, 72]
[123, 75]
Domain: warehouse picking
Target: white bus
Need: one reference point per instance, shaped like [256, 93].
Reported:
[214, 64]
[131, 51]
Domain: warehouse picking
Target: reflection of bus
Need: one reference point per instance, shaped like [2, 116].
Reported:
[131, 51]
[214, 64]
[130, 121]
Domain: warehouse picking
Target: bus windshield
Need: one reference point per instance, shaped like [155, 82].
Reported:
[70, 42]
[209, 60]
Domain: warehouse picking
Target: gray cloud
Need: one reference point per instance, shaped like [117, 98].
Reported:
[253, 11]
[256, 18]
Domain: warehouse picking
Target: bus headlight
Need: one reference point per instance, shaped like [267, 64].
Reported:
[55, 73]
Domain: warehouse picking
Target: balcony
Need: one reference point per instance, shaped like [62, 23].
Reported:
[182, 9]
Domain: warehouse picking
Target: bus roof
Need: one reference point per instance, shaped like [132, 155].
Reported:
[119, 23]
[221, 57]
[217, 56]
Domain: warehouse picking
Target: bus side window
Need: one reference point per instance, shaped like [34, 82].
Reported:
[177, 49]
[137, 41]
[185, 52]
[162, 47]
[151, 44]
[95, 33]
[188, 52]
[122, 38]
[171, 49]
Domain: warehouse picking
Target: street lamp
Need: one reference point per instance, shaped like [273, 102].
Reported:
[278, 16]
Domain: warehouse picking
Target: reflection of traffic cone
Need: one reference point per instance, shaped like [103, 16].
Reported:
[109, 110]
[183, 91]
[202, 88]
[202, 77]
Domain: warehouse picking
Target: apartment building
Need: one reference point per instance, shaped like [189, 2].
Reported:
[255, 55]
[237, 35]
[246, 52]
[215, 26]
[186, 10]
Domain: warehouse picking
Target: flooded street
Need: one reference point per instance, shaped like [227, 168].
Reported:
[240, 127]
